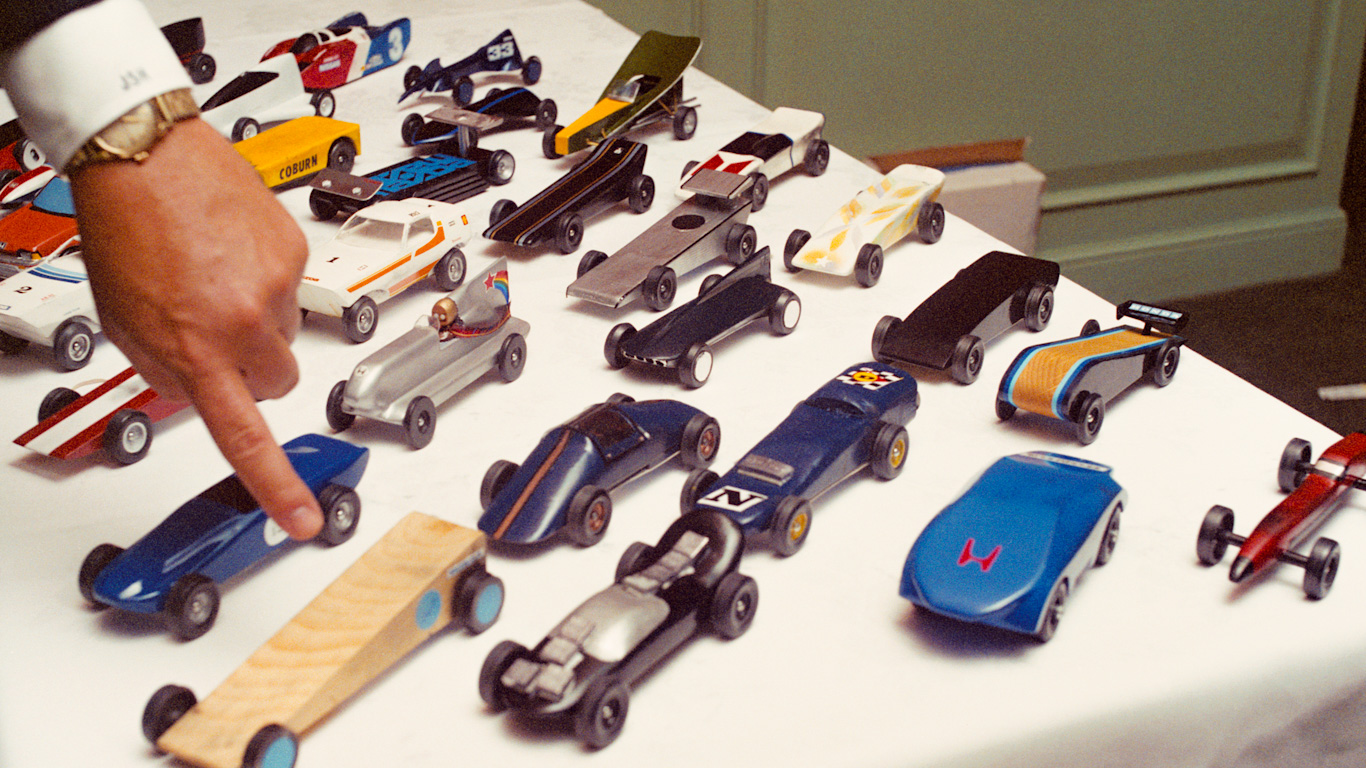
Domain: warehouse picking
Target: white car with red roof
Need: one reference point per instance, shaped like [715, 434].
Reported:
[378, 253]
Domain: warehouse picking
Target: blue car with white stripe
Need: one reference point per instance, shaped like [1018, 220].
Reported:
[1011, 549]
[176, 568]
[857, 420]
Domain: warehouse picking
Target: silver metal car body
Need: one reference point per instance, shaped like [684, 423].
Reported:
[420, 362]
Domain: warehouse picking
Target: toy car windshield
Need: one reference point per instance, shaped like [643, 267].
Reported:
[55, 199]
[363, 232]
[835, 405]
[613, 432]
[764, 469]
[1169, 320]
[628, 90]
[242, 84]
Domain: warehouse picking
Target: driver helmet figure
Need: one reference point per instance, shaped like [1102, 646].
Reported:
[445, 318]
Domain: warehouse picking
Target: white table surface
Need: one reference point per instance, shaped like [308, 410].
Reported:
[1157, 662]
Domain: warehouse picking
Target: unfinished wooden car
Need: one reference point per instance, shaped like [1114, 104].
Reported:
[424, 575]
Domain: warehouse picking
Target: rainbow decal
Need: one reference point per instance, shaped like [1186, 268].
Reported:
[498, 281]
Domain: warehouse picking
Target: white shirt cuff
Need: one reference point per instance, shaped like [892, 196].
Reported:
[86, 70]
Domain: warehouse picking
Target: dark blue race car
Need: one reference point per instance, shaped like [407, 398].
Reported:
[175, 569]
[566, 481]
[857, 420]
[1011, 548]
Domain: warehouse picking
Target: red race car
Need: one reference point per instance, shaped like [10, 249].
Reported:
[345, 50]
[1315, 488]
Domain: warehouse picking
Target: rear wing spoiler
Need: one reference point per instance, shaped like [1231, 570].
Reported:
[1166, 320]
[345, 185]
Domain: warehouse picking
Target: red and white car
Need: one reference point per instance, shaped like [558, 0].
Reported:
[380, 251]
[345, 50]
[116, 415]
[780, 142]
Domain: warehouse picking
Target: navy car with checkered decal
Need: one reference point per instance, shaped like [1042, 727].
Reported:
[857, 420]
[445, 178]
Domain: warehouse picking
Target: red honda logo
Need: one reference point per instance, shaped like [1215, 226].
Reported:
[982, 562]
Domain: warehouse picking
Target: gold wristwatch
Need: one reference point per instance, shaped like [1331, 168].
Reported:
[132, 136]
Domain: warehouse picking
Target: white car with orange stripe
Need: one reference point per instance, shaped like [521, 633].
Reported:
[378, 253]
[116, 415]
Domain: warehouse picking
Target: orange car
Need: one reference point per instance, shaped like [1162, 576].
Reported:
[38, 229]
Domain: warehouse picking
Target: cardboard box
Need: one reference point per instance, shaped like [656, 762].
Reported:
[988, 184]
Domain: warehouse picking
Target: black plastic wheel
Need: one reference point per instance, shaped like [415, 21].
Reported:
[546, 112]
[512, 357]
[695, 487]
[590, 260]
[341, 156]
[1038, 307]
[790, 525]
[930, 223]
[54, 401]
[449, 272]
[868, 265]
[1165, 362]
[419, 422]
[192, 606]
[501, 210]
[167, 705]
[741, 240]
[694, 368]
[1294, 464]
[490, 674]
[888, 324]
[94, 564]
[817, 157]
[478, 600]
[601, 713]
[338, 419]
[619, 335]
[73, 344]
[733, 605]
[462, 92]
[794, 244]
[1090, 416]
[568, 232]
[700, 442]
[548, 143]
[1212, 541]
[709, 282]
[410, 128]
[1322, 568]
[1004, 410]
[889, 451]
[784, 313]
[967, 359]
[495, 479]
[531, 70]
[659, 288]
[642, 193]
[128, 436]
[589, 514]
[360, 319]
[499, 167]
[341, 514]
[685, 123]
[1090, 328]
[758, 193]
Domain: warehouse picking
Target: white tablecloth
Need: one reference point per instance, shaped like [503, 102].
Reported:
[1157, 662]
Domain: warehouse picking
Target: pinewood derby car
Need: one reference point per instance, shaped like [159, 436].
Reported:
[117, 415]
[780, 142]
[24, 187]
[440, 177]
[174, 570]
[663, 595]
[345, 50]
[856, 420]
[647, 89]
[469, 333]
[50, 304]
[683, 339]
[1009, 551]
[187, 40]
[291, 153]
[614, 172]
[852, 241]
[1073, 379]
[423, 576]
[445, 127]
[565, 485]
[700, 229]
[18, 153]
[950, 329]
[500, 54]
[40, 228]
[1316, 489]
[378, 253]
[271, 93]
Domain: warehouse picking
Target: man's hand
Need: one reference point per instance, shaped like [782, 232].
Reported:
[195, 267]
